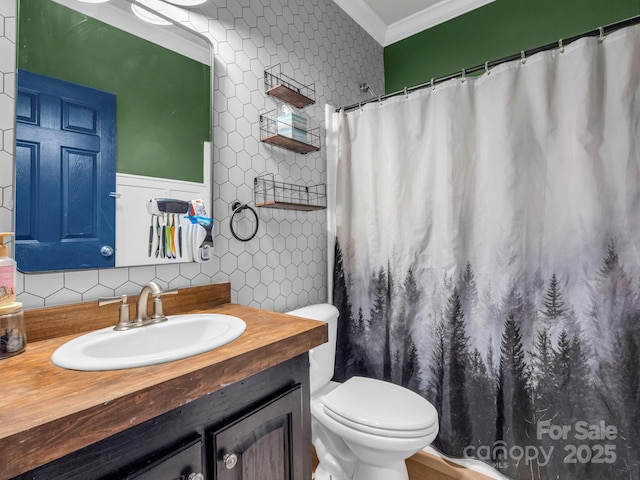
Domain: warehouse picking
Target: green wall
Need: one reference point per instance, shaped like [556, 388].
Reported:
[497, 30]
[163, 98]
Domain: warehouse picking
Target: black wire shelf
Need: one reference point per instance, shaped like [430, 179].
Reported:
[288, 89]
[269, 193]
[287, 136]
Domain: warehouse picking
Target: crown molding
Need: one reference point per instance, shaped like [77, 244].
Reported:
[431, 16]
[364, 16]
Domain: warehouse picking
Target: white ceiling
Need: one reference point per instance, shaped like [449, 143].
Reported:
[389, 21]
[391, 12]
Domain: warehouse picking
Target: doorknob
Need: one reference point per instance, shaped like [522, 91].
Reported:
[195, 476]
[106, 251]
[230, 460]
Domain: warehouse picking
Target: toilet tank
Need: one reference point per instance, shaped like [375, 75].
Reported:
[322, 358]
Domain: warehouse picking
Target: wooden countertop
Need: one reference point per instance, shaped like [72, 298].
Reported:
[47, 412]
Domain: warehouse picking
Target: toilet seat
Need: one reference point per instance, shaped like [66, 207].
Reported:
[380, 431]
[380, 408]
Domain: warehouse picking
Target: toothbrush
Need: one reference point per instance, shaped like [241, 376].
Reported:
[158, 235]
[150, 237]
[168, 237]
[179, 236]
[164, 239]
[172, 242]
[173, 235]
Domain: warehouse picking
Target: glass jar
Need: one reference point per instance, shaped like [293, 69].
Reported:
[13, 336]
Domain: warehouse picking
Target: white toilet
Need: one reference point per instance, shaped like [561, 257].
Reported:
[362, 429]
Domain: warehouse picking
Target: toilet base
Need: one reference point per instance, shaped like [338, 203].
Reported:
[363, 471]
[396, 471]
[321, 474]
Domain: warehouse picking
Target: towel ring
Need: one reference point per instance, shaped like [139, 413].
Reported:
[238, 207]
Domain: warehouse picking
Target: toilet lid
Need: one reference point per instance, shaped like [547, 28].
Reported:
[380, 408]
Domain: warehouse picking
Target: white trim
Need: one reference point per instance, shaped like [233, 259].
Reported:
[431, 16]
[132, 216]
[118, 14]
[364, 16]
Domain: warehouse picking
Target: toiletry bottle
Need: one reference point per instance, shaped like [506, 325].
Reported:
[7, 273]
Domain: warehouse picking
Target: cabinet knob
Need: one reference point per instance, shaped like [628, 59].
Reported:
[195, 476]
[230, 460]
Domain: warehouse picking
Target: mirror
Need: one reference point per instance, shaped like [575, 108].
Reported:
[111, 111]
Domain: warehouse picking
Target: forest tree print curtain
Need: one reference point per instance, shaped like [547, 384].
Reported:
[488, 257]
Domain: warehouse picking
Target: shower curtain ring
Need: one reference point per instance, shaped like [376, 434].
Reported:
[433, 87]
[523, 57]
[601, 36]
[560, 46]
[486, 68]
[379, 99]
[463, 76]
[405, 93]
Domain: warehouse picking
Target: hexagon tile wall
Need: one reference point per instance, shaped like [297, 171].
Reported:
[7, 92]
[285, 265]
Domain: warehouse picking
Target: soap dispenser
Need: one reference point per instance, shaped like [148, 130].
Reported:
[7, 273]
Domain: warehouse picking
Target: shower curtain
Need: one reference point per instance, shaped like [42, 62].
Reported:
[487, 257]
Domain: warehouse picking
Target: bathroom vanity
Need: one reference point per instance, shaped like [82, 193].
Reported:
[238, 412]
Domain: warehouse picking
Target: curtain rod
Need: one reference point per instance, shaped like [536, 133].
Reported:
[598, 32]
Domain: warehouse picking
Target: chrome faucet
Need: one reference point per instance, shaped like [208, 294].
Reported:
[142, 315]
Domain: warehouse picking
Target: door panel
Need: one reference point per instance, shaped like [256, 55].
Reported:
[260, 444]
[267, 454]
[65, 171]
[80, 168]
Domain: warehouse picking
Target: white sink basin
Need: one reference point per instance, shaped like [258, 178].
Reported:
[181, 336]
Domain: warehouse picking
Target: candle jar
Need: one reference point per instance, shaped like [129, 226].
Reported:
[13, 337]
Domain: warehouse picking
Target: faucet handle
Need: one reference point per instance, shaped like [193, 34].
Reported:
[172, 291]
[107, 300]
[123, 317]
[158, 314]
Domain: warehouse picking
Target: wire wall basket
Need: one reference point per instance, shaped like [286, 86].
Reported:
[288, 89]
[274, 194]
[284, 134]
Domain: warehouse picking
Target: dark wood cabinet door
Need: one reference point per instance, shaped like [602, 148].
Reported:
[262, 444]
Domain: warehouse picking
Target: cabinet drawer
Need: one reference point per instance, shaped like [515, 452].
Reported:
[182, 463]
